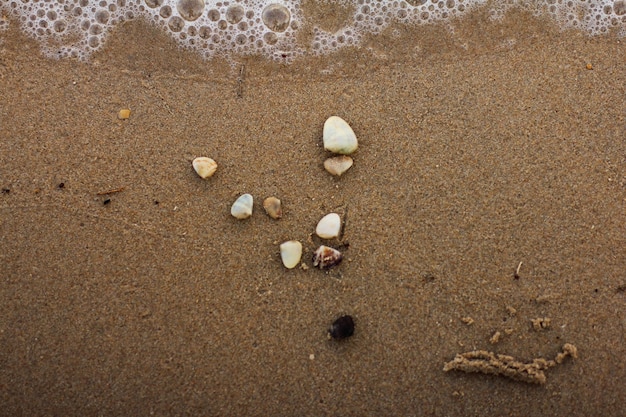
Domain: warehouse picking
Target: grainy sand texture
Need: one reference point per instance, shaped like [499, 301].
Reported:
[480, 148]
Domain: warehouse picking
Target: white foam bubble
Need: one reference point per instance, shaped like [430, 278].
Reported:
[77, 28]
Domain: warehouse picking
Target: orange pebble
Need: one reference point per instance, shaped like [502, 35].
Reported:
[123, 114]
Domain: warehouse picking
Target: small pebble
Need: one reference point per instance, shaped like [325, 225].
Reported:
[339, 136]
[329, 227]
[326, 257]
[242, 207]
[290, 253]
[342, 328]
[204, 167]
[123, 114]
[337, 165]
[273, 207]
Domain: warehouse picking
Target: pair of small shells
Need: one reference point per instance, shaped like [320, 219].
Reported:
[324, 257]
[242, 207]
[328, 227]
[339, 138]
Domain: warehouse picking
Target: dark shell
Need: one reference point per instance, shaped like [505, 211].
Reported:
[326, 257]
[342, 328]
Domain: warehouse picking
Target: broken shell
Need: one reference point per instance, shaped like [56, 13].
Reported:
[329, 227]
[342, 328]
[123, 114]
[242, 207]
[290, 253]
[205, 167]
[326, 257]
[339, 136]
[273, 207]
[337, 165]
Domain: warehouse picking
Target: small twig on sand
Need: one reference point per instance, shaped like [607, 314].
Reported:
[240, 79]
[115, 190]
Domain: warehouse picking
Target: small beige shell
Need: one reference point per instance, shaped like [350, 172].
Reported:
[329, 226]
[242, 207]
[204, 167]
[337, 165]
[291, 253]
[123, 114]
[326, 257]
[273, 207]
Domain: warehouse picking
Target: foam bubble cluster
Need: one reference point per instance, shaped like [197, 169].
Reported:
[77, 28]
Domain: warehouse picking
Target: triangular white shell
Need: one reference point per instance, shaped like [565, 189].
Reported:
[290, 253]
[205, 167]
[329, 227]
[242, 207]
[339, 137]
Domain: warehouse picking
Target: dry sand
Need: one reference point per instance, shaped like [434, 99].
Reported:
[479, 149]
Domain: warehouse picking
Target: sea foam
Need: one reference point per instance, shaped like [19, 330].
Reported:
[77, 28]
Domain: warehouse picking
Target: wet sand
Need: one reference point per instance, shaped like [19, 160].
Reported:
[480, 149]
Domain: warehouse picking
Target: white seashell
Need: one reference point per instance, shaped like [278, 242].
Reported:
[205, 167]
[290, 253]
[339, 137]
[242, 207]
[337, 165]
[273, 207]
[326, 257]
[329, 226]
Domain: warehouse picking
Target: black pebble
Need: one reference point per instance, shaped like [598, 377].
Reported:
[61, 185]
[107, 201]
[342, 328]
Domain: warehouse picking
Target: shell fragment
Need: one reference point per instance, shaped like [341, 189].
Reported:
[329, 227]
[290, 253]
[204, 167]
[339, 136]
[242, 207]
[337, 165]
[273, 207]
[326, 257]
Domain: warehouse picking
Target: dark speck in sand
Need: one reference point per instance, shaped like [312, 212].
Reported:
[342, 328]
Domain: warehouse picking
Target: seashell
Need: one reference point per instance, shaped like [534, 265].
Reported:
[329, 226]
[339, 136]
[290, 253]
[337, 165]
[242, 207]
[273, 207]
[205, 167]
[123, 114]
[342, 328]
[326, 257]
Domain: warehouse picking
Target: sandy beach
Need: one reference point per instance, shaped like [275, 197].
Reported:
[488, 191]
